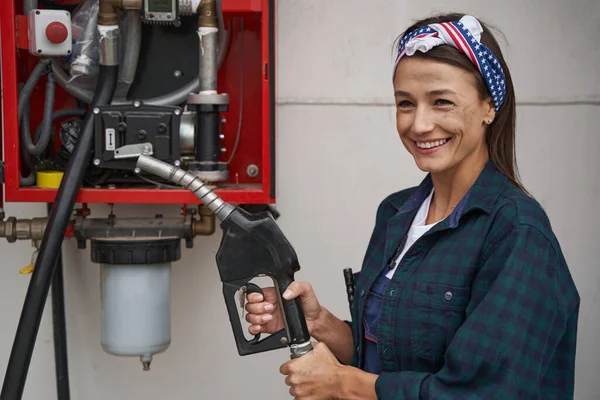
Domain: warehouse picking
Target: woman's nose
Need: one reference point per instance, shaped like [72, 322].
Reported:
[423, 121]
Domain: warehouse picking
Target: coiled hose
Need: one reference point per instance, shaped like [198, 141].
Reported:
[46, 126]
[28, 148]
[39, 285]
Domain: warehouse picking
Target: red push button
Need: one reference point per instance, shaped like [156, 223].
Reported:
[56, 32]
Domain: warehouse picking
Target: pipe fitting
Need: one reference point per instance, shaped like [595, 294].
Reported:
[127, 5]
[206, 225]
[207, 17]
[107, 13]
[23, 229]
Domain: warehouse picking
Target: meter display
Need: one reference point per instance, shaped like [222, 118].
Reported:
[160, 11]
[160, 6]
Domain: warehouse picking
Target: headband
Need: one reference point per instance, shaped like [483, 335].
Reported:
[465, 35]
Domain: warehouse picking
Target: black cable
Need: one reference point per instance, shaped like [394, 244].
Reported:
[39, 285]
[51, 5]
[59, 325]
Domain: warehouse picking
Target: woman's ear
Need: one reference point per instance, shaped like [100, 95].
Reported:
[490, 111]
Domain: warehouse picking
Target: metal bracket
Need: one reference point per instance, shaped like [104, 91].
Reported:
[133, 150]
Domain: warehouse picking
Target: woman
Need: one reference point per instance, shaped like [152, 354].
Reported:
[464, 291]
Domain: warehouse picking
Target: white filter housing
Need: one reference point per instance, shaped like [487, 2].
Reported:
[136, 309]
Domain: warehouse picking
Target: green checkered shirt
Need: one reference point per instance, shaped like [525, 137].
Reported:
[482, 306]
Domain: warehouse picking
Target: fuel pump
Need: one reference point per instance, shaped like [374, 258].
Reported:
[90, 87]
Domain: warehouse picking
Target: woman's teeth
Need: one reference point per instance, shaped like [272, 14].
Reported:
[429, 145]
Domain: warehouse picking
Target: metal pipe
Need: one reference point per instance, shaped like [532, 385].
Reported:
[23, 229]
[107, 13]
[208, 33]
[178, 176]
[126, 5]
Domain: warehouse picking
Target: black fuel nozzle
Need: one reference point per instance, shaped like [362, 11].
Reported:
[252, 246]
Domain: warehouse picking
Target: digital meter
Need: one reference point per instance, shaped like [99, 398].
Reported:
[161, 11]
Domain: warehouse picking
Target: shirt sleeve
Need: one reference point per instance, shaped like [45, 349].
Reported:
[522, 299]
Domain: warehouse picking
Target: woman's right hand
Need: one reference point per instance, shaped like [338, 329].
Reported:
[265, 316]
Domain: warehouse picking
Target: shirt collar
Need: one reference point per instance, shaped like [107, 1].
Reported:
[482, 195]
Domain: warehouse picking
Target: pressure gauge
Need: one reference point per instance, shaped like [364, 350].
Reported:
[161, 11]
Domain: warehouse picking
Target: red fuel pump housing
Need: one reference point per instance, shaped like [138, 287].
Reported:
[256, 142]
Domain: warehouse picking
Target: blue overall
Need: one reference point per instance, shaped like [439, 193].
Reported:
[371, 322]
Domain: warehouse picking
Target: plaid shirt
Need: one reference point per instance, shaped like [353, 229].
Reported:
[482, 306]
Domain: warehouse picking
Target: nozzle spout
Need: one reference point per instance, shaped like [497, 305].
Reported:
[184, 179]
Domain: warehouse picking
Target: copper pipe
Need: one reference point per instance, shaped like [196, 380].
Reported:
[206, 225]
[208, 14]
[127, 5]
[107, 12]
[23, 229]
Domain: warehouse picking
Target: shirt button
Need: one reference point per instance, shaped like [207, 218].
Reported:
[448, 296]
[393, 292]
[362, 293]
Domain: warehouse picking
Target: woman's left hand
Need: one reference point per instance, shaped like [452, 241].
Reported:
[314, 376]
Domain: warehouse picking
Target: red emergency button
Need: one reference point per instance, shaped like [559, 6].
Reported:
[56, 32]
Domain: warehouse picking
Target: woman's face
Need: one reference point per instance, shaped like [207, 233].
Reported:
[439, 116]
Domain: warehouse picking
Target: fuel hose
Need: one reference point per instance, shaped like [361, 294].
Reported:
[41, 279]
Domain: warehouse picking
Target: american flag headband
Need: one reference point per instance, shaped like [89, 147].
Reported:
[465, 35]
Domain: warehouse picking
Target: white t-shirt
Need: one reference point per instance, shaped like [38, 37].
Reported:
[417, 229]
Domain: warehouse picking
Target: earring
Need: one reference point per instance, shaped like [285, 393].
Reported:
[490, 121]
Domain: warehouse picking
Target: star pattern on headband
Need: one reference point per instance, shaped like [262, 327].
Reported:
[457, 35]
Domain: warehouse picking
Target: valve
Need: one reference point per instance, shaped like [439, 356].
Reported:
[28, 269]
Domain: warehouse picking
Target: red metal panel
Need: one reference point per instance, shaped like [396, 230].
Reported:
[248, 21]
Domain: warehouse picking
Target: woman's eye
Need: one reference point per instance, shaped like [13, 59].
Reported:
[443, 102]
[404, 103]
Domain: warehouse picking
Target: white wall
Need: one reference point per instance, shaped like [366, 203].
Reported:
[338, 156]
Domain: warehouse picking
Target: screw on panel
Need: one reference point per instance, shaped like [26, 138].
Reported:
[252, 170]
[177, 163]
[137, 103]
[96, 111]
[137, 170]
[178, 112]
[96, 162]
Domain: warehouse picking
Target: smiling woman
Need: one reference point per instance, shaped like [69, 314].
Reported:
[464, 291]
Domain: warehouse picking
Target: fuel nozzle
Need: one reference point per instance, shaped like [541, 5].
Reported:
[252, 246]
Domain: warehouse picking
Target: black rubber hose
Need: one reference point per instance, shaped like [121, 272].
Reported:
[59, 326]
[28, 180]
[23, 104]
[58, 221]
[40, 146]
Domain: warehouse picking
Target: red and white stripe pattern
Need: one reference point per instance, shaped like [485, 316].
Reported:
[464, 35]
